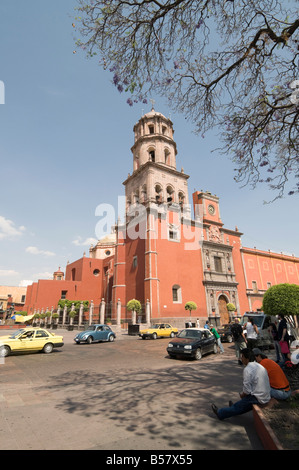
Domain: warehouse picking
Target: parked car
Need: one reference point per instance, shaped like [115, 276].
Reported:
[29, 340]
[192, 342]
[159, 330]
[92, 333]
[225, 333]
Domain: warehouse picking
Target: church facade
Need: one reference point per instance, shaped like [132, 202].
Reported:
[167, 250]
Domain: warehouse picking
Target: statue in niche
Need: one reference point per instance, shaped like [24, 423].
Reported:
[214, 234]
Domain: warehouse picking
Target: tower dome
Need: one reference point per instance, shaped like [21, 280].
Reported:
[154, 141]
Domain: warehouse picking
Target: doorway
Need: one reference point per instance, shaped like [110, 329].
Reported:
[223, 312]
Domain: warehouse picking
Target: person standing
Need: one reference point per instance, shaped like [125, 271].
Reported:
[256, 388]
[283, 336]
[252, 333]
[239, 338]
[280, 387]
[218, 339]
[207, 325]
[274, 334]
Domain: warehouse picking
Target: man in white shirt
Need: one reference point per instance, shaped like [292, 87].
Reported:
[256, 388]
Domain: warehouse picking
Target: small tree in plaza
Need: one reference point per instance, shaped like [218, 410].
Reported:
[190, 306]
[134, 306]
[283, 299]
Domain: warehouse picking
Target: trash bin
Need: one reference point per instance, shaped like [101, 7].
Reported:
[133, 330]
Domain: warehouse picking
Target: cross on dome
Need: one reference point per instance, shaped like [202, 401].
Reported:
[153, 102]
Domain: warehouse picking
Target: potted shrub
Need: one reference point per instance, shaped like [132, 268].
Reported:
[36, 318]
[55, 316]
[42, 317]
[47, 316]
[134, 306]
[72, 315]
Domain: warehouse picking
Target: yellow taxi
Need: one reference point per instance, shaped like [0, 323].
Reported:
[29, 340]
[159, 330]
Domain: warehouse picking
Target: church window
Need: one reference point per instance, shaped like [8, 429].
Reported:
[63, 294]
[181, 199]
[176, 294]
[218, 264]
[268, 285]
[73, 274]
[170, 193]
[164, 128]
[158, 194]
[254, 287]
[173, 234]
[166, 156]
[96, 272]
[151, 129]
[136, 197]
[135, 262]
[152, 155]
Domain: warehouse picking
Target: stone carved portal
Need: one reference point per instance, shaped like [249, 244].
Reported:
[223, 312]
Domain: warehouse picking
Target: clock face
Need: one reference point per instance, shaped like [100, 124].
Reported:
[211, 209]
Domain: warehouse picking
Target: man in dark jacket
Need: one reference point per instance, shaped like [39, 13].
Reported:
[239, 338]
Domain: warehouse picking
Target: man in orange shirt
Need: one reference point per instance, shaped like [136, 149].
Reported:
[280, 387]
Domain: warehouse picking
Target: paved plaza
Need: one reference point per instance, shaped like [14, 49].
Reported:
[126, 395]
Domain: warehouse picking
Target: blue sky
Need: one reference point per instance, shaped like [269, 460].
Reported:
[65, 140]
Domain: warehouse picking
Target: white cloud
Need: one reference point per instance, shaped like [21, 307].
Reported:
[25, 283]
[8, 272]
[35, 251]
[87, 242]
[8, 228]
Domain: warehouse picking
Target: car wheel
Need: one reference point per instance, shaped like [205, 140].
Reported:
[89, 340]
[172, 334]
[198, 354]
[48, 348]
[215, 350]
[5, 351]
[229, 339]
[111, 338]
[154, 336]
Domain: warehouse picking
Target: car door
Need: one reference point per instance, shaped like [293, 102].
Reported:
[207, 341]
[167, 329]
[25, 341]
[101, 334]
[162, 331]
[40, 339]
[210, 341]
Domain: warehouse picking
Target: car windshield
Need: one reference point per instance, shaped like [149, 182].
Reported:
[258, 320]
[90, 328]
[17, 332]
[156, 326]
[188, 333]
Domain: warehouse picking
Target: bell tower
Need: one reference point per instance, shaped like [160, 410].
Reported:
[155, 178]
[160, 192]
